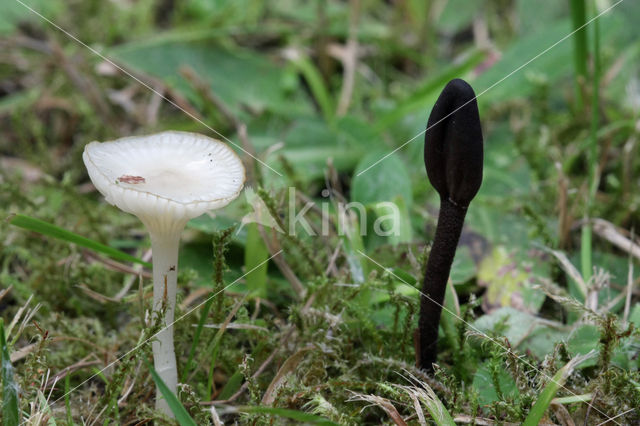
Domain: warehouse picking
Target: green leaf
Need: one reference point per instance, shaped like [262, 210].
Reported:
[423, 97]
[178, 410]
[232, 386]
[45, 228]
[255, 255]
[583, 340]
[459, 14]
[386, 191]
[238, 77]
[559, 379]
[464, 267]
[503, 81]
[289, 414]
[353, 249]
[385, 181]
[14, 13]
[10, 408]
[634, 317]
[508, 282]
[313, 77]
[523, 330]
[386, 213]
[483, 383]
[451, 316]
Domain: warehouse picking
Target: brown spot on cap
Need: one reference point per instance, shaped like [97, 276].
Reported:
[131, 179]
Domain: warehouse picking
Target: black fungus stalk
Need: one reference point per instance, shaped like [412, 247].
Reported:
[453, 156]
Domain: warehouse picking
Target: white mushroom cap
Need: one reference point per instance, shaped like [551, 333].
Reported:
[167, 178]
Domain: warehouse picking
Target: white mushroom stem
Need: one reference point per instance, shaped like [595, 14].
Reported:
[165, 180]
[164, 248]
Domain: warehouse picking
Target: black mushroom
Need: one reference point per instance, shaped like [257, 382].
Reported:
[453, 155]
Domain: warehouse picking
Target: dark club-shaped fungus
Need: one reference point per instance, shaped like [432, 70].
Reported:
[453, 157]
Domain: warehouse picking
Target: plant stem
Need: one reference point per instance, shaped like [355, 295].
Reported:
[165, 275]
[578, 19]
[592, 161]
[450, 221]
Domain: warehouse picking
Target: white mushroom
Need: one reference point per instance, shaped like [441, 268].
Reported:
[165, 180]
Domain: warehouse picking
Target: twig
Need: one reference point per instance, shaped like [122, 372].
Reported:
[5, 291]
[629, 292]
[85, 86]
[464, 419]
[349, 60]
[381, 402]
[126, 392]
[331, 267]
[609, 232]
[117, 266]
[153, 108]
[70, 369]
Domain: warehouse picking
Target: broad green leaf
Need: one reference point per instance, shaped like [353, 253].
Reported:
[508, 282]
[539, 58]
[463, 268]
[393, 217]
[13, 12]
[506, 171]
[310, 162]
[385, 181]
[311, 142]
[45, 228]
[178, 410]
[541, 341]
[546, 12]
[424, 96]
[10, 406]
[459, 14]
[584, 339]
[483, 383]
[522, 329]
[386, 191]
[238, 77]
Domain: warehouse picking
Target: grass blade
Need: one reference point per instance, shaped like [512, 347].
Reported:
[299, 416]
[548, 393]
[580, 53]
[586, 240]
[178, 410]
[45, 228]
[10, 409]
[314, 79]
[196, 339]
[255, 255]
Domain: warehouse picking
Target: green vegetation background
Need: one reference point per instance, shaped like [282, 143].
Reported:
[544, 294]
